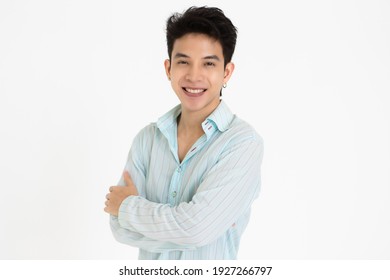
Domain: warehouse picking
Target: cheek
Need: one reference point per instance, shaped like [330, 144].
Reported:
[176, 75]
[216, 78]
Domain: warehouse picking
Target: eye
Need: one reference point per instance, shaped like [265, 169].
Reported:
[182, 62]
[209, 64]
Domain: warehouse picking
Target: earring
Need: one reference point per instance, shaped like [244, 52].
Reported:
[169, 78]
[224, 85]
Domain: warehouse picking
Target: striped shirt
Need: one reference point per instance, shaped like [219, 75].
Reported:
[197, 208]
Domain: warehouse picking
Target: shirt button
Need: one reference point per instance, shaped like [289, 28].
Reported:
[174, 194]
[179, 170]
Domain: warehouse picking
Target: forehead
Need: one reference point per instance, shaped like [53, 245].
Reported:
[194, 44]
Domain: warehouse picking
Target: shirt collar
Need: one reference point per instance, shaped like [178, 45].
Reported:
[169, 118]
[220, 118]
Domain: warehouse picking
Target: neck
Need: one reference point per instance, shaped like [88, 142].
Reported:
[190, 124]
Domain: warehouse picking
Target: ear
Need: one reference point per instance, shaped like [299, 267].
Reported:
[229, 68]
[167, 65]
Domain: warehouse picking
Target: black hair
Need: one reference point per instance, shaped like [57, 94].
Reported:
[204, 20]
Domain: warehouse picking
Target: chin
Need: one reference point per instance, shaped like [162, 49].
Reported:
[199, 105]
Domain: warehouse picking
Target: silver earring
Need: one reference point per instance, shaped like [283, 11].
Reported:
[224, 85]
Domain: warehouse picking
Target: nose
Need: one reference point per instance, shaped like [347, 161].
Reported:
[194, 74]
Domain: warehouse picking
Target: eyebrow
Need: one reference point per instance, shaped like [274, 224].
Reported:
[182, 55]
[212, 57]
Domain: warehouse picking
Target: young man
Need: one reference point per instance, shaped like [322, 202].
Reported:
[190, 178]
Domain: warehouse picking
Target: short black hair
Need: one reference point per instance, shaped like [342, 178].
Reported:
[210, 21]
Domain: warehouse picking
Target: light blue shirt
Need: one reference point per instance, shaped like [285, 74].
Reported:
[197, 208]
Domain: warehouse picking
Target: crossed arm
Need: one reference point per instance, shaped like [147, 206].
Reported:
[225, 194]
[113, 201]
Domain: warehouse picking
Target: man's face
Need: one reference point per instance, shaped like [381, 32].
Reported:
[197, 72]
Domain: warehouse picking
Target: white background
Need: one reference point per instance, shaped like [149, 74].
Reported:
[78, 80]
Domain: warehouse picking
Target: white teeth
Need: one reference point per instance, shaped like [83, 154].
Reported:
[194, 91]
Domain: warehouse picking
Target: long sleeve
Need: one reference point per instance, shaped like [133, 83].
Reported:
[136, 167]
[225, 193]
[135, 239]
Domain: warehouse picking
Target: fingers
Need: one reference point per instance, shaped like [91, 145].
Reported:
[112, 204]
[106, 208]
[109, 204]
[127, 178]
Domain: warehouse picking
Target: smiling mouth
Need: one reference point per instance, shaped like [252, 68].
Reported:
[195, 91]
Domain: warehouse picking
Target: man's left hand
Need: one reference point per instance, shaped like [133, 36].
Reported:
[117, 194]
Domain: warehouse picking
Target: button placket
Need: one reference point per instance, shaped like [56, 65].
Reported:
[173, 191]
